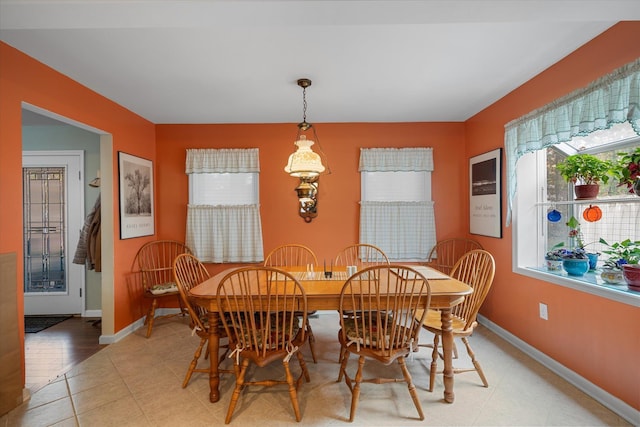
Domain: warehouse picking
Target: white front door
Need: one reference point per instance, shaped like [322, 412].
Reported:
[53, 215]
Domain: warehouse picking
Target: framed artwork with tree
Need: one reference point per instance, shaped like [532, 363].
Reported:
[136, 196]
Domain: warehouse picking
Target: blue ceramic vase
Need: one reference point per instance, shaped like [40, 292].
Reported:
[575, 266]
[593, 260]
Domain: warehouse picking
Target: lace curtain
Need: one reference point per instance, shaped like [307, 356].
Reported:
[404, 230]
[226, 233]
[614, 98]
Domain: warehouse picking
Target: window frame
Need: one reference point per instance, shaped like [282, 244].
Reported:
[230, 230]
[527, 223]
[391, 219]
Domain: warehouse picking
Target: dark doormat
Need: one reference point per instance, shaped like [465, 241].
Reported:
[33, 324]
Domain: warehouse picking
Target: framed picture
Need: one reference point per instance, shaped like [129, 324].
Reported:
[485, 207]
[135, 176]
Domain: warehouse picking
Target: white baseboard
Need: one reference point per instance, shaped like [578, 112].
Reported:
[110, 339]
[26, 394]
[613, 403]
[93, 313]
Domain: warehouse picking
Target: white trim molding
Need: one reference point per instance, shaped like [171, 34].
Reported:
[111, 339]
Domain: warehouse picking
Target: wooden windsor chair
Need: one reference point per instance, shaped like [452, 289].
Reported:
[263, 305]
[476, 268]
[188, 272]
[154, 263]
[360, 255]
[444, 255]
[384, 301]
[293, 254]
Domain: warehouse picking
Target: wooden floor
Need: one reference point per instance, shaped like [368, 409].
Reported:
[53, 351]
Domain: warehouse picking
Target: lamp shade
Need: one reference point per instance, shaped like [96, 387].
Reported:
[304, 162]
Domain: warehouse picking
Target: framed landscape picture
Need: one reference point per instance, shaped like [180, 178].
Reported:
[135, 176]
[485, 207]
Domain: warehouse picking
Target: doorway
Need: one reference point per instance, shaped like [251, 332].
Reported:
[45, 130]
[53, 210]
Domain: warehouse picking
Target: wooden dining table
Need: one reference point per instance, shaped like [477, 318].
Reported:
[324, 294]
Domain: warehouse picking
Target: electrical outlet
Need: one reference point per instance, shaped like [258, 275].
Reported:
[544, 314]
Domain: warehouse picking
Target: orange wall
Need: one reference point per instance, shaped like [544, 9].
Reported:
[337, 223]
[22, 79]
[595, 337]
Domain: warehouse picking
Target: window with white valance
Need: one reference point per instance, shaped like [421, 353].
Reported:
[602, 119]
[614, 98]
[396, 210]
[223, 215]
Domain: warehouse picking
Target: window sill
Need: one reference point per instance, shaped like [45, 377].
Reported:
[590, 283]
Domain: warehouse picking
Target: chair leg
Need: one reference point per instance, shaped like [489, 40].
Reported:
[293, 394]
[151, 314]
[224, 354]
[303, 366]
[355, 392]
[183, 309]
[476, 364]
[434, 362]
[347, 314]
[312, 340]
[236, 392]
[344, 354]
[194, 362]
[411, 386]
[341, 356]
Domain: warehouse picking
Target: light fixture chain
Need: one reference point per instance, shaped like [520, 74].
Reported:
[304, 104]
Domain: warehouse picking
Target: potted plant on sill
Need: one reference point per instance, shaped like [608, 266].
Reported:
[625, 257]
[553, 259]
[627, 170]
[586, 172]
[575, 234]
[575, 261]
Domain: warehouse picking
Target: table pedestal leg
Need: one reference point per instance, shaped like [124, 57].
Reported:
[214, 346]
[447, 350]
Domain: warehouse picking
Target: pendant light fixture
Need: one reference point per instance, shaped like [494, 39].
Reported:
[306, 164]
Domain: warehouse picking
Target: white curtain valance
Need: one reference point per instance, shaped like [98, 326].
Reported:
[614, 98]
[222, 160]
[396, 159]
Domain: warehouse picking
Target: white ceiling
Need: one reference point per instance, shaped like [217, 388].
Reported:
[225, 61]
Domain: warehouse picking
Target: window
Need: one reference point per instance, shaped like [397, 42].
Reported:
[601, 119]
[412, 186]
[223, 188]
[620, 215]
[223, 215]
[396, 210]
[540, 188]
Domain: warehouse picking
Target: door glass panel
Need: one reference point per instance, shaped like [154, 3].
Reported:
[44, 230]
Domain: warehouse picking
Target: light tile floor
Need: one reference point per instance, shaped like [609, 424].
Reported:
[137, 382]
